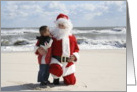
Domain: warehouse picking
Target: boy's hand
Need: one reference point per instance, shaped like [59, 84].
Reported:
[72, 58]
[41, 51]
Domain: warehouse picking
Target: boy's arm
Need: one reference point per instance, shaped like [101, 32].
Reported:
[47, 45]
[39, 50]
[36, 48]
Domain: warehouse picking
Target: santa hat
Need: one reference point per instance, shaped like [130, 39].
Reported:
[63, 19]
[62, 16]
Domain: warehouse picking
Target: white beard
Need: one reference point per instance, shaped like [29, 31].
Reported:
[61, 33]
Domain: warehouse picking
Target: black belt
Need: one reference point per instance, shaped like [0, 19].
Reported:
[61, 58]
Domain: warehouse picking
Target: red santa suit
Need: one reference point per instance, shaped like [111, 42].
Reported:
[64, 47]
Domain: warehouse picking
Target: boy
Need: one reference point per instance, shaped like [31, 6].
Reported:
[43, 44]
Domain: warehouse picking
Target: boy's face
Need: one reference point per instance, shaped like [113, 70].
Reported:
[46, 33]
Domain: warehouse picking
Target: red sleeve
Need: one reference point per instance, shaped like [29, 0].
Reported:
[36, 52]
[76, 50]
[76, 45]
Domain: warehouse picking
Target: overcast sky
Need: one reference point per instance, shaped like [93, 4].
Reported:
[81, 13]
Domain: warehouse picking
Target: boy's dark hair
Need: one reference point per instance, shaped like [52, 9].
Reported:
[43, 29]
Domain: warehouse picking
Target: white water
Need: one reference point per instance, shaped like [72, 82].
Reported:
[102, 39]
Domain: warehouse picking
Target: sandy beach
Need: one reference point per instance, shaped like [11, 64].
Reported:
[97, 70]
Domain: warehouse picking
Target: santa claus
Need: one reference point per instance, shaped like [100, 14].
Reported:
[64, 51]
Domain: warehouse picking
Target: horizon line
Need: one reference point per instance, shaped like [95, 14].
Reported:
[73, 27]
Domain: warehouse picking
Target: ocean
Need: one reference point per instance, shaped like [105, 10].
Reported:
[24, 39]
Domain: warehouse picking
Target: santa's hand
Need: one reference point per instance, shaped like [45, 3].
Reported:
[41, 51]
[44, 47]
[72, 58]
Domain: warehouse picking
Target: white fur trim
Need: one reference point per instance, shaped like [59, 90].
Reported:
[66, 70]
[35, 48]
[47, 45]
[54, 76]
[69, 70]
[76, 54]
[66, 47]
[66, 22]
[43, 59]
[55, 61]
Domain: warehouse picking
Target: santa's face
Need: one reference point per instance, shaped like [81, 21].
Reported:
[63, 29]
[61, 26]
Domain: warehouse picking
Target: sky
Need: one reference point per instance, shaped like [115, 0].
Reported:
[81, 13]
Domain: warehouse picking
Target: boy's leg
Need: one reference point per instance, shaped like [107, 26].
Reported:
[46, 73]
[40, 74]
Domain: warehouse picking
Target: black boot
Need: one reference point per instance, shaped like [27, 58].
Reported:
[44, 83]
[56, 82]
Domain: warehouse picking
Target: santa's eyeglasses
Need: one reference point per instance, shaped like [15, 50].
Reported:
[61, 25]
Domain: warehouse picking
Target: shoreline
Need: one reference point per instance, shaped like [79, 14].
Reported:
[80, 50]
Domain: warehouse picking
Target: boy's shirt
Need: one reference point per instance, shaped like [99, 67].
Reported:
[44, 59]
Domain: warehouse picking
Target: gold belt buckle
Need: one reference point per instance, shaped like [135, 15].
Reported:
[65, 58]
[61, 59]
